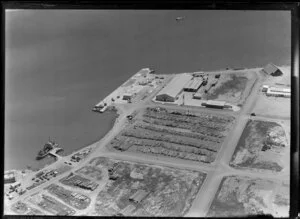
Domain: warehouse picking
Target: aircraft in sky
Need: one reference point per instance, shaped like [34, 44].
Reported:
[180, 19]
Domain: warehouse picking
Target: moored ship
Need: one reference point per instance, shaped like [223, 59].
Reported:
[46, 149]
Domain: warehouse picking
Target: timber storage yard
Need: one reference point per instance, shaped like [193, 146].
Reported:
[193, 144]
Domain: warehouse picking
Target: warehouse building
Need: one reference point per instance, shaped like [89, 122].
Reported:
[272, 69]
[278, 92]
[193, 85]
[174, 88]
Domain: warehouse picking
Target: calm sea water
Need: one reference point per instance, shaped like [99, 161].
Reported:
[61, 63]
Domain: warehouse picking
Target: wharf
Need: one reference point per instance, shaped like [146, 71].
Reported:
[117, 94]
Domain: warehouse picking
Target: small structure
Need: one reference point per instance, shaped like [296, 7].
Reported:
[272, 69]
[265, 88]
[127, 96]
[9, 177]
[214, 104]
[174, 88]
[197, 95]
[193, 85]
[138, 196]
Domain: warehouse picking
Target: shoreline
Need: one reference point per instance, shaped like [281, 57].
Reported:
[53, 160]
[118, 111]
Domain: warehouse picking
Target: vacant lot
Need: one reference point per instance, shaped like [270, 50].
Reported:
[23, 209]
[168, 191]
[233, 87]
[51, 205]
[274, 106]
[91, 172]
[74, 199]
[175, 134]
[261, 146]
[244, 196]
[79, 182]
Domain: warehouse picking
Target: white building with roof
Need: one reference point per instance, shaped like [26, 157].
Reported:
[170, 92]
[278, 92]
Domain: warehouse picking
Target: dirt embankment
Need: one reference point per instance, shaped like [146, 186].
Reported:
[245, 196]
[261, 146]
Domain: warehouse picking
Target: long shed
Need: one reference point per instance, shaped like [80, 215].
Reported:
[170, 92]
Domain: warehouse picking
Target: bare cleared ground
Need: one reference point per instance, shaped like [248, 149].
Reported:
[176, 134]
[50, 204]
[284, 79]
[244, 196]
[261, 146]
[273, 106]
[233, 88]
[22, 208]
[170, 191]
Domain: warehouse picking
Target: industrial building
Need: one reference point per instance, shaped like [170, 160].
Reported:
[170, 92]
[277, 91]
[272, 69]
[214, 104]
[193, 85]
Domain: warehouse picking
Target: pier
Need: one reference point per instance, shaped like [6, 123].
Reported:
[54, 151]
[118, 94]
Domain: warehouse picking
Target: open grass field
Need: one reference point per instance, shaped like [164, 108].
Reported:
[261, 146]
[169, 191]
[176, 134]
[245, 196]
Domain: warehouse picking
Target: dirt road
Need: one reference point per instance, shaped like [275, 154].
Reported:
[215, 171]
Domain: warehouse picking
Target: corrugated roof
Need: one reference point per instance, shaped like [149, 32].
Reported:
[194, 83]
[174, 87]
[215, 103]
[270, 68]
[280, 89]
